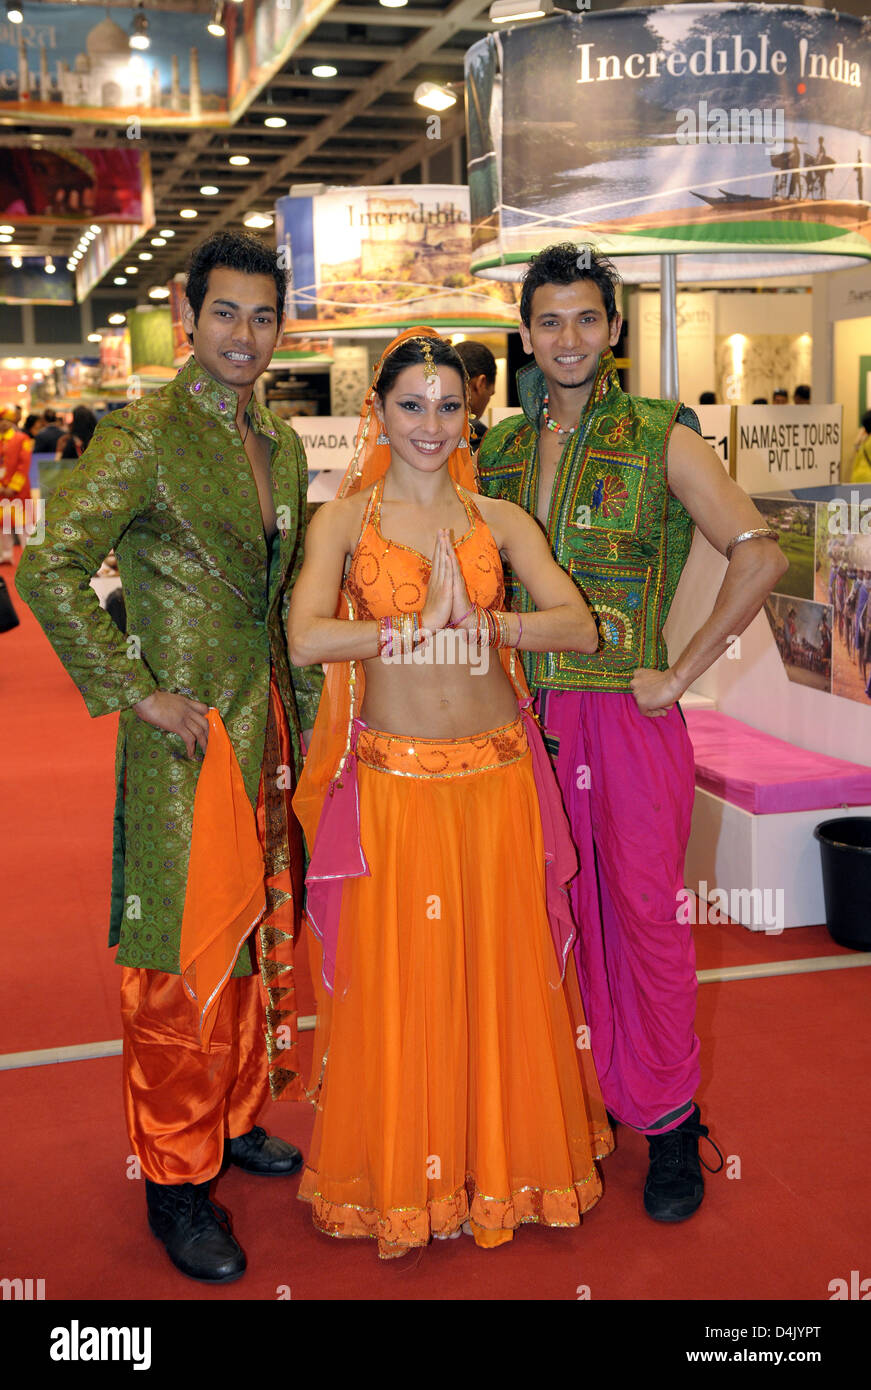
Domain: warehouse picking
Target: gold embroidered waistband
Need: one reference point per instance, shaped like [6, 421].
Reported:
[406, 755]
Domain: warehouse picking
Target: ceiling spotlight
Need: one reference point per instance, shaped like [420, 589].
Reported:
[95, 229]
[59, 362]
[131, 270]
[120, 280]
[166, 231]
[239, 159]
[95, 337]
[4, 237]
[209, 190]
[158, 241]
[215, 25]
[434, 97]
[510, 11]
[145, 256]
[6, 229]
[14, 15]
[393, 4]
[50, 266]
[17, 262]
[188, 212]
[275, 122]
[324, 70]
[158, 292]
[117, 318]
[139, 30]
[71, 265]
[259, 220]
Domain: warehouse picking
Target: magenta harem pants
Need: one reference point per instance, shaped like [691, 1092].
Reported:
[627, 782]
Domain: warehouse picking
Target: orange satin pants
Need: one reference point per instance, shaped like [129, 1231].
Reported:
[181, 1103]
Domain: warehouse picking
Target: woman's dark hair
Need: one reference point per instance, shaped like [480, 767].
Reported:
[29, 423]
[411, 354]
[563, 265]
[865, 422]
[233, 251]
[83, 425]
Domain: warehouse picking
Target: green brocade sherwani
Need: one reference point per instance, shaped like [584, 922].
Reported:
[166, 483]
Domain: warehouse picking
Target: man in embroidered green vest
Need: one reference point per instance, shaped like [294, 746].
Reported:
[617, 482]
[201, 492]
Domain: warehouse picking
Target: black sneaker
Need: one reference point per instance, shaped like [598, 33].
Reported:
[675, 1187]
[195, 1231]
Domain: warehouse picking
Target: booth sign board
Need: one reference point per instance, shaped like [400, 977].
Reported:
[780, 447]
[716, 421]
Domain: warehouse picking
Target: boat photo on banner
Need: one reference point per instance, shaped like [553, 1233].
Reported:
[734, 135]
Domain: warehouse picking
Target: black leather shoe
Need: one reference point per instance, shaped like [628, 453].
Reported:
[675, 1186]
[259, 1152]
[195, 1231]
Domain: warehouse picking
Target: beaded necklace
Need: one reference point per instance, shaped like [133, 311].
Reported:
[551, 424]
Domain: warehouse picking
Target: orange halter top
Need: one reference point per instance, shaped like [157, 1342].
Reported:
[388, 577]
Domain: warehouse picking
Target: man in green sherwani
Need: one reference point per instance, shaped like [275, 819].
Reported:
[201, 492]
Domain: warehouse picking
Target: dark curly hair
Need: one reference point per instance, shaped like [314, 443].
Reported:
[233, 251]
[563, 265]
[410, 354]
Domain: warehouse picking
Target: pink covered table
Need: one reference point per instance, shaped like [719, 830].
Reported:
[766, 775]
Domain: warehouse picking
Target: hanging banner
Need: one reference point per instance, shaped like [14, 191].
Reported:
[110, 245]
[736, 136]
[61, 184]
[151, 343]
[71, 63]
[30, 284]
[115, 361]
[263, 34]
[377, 260]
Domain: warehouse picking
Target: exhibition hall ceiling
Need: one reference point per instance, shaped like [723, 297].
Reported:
[357, 126]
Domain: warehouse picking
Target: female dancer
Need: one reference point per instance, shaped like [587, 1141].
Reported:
[452, 1076]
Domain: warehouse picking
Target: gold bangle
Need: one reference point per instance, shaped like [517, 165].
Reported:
[760, 533]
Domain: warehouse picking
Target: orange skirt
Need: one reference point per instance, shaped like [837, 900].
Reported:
[452, 1076]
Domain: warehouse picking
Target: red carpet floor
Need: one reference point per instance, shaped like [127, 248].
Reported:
[785, 1066]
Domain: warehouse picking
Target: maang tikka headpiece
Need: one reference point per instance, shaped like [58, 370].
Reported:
[431, 376]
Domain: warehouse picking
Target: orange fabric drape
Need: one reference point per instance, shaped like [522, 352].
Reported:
[225, 895]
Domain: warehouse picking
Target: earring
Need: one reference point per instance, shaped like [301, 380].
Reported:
[463, 444]
[382, 438]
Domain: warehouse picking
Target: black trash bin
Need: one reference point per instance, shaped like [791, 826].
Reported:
[845, 848]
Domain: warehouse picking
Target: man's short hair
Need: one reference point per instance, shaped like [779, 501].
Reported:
[477, 359]
[49, 416]
[233, 251]
[563, 265]
[781, 391]
[802, 393]
[708, 398]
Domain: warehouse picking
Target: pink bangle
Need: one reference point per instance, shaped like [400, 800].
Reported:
[464, 617]
[519, 630]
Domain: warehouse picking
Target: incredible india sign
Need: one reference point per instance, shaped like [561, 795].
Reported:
[739, 135]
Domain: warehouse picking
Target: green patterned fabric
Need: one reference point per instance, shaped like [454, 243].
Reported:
[166, 483]
[613, 525]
